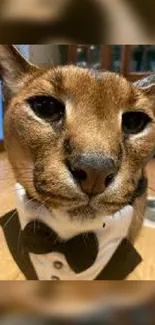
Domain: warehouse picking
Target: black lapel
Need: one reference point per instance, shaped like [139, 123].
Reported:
[122, 263]
[12, 231]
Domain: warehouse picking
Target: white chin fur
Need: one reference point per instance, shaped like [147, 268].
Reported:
[29, 210]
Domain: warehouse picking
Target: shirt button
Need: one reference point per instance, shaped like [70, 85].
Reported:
[58, 265]
[55, 278]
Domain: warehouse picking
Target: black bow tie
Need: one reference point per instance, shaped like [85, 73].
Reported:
[77, 250]
[80, 251]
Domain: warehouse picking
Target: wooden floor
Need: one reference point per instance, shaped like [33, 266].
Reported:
[8, 268]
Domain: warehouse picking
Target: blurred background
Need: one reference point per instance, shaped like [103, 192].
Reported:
[77, 21]
[84, 303]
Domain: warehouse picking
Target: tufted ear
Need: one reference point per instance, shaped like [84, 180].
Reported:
[149, 90]
[147, 87]
[13, 67]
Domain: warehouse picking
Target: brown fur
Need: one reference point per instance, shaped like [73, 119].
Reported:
[94, 102]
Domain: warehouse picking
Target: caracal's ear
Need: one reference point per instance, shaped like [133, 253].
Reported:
[149, 90]
[147, 87]
[13, 68]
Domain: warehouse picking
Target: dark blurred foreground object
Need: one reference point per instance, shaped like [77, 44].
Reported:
[138, 315]
[80, 21]
[145, 10]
